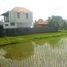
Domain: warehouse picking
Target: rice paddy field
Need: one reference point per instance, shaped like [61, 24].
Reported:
[34, 50]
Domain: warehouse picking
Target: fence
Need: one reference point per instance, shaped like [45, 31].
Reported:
[20, 31]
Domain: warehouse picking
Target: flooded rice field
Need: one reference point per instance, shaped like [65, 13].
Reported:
[49, 52]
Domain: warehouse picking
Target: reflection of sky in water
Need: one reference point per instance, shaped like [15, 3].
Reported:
[44, 56]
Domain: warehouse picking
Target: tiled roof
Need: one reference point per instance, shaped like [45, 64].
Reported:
[40, 21]
[21, 9]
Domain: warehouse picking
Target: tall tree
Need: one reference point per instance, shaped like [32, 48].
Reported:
[55, 21]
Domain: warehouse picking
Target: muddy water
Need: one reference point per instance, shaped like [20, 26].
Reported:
[50, 52]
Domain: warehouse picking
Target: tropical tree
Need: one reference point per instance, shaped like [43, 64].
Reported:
[55, 21]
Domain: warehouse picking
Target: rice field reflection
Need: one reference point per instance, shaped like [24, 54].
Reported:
[45, 54]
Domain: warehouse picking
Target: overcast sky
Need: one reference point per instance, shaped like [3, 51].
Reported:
[40, 8]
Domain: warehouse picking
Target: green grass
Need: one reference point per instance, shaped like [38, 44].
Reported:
[22, 45]
[19, 51]
[30, 37]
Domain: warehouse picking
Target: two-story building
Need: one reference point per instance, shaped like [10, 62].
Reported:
[18, 17]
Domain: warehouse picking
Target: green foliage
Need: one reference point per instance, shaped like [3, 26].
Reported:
[56, 21]
[65, 25]
[25, 38]
[19, 51]
[20, 47]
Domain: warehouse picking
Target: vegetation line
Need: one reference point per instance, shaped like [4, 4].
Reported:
[21, 39]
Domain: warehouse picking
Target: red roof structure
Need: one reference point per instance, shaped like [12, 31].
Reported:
[41, 23]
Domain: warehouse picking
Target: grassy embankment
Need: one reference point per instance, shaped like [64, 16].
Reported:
[24, 38]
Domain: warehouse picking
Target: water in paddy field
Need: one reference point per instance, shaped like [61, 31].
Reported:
[48, 52]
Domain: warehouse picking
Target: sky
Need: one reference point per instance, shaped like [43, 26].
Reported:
[41, 9]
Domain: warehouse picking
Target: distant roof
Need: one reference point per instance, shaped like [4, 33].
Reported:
[21, 9]
[41, 21]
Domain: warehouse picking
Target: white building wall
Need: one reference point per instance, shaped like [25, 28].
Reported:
[9, 25]
[19, 22]
[25, 22]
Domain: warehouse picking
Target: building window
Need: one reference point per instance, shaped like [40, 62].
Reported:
[12, 24]
[6, 24]
[27, 15]
[18, 15]
[6, 18]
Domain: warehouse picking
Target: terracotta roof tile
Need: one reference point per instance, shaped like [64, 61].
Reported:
[21, 9]
[40, 21]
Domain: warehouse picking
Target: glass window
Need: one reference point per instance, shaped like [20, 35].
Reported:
[12, 24]
[18, 15]
[6, 24]
[27, 15]
[6, 18]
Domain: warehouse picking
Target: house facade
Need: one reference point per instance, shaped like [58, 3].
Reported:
[18, 17]
[40, 23]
